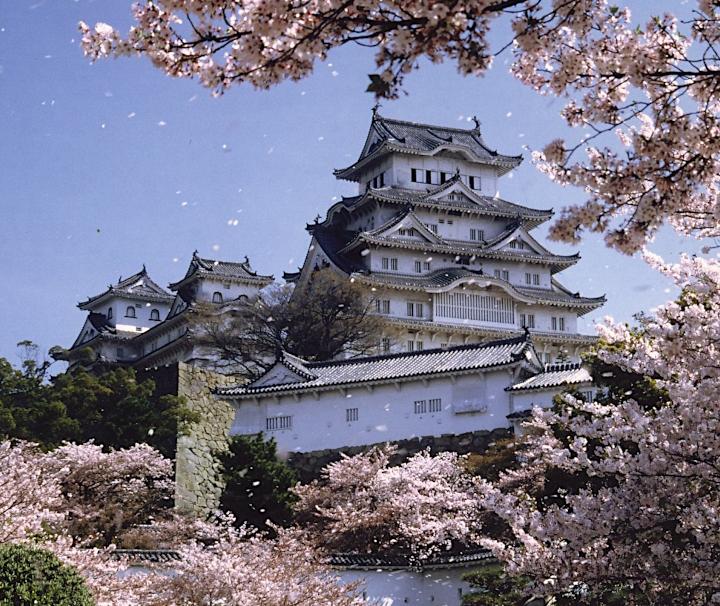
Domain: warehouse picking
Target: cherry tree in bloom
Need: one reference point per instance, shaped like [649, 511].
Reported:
[245, 568]
[653, 83]
[106, 493]
[425, 505]
[29, 498]
[626, 492]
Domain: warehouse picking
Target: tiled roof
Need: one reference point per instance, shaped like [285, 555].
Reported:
[154, 556]
[387, 134]
[390, 367]
[554, 375]
[100, 322]
[364, 560]
[489, 205]
[226, 270]
[139, 287]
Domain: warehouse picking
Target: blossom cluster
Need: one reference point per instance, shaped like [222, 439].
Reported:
[638, 503]
[654, 84]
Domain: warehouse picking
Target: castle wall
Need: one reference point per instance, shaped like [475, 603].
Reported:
[198, 485]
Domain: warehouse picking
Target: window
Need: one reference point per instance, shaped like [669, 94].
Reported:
[217, 297]
[496, 273]
[444, 177]
[278, 423]
[109, 313]
[506, 275]
[385, 262]
[130, 311]
[528, 278]
[441, 221]
[561, 324]
[477, 234]
[415, 345]
[475, 307]
[553, 323]
[406, 231]
[382, 306]
[435, 405]
[418, 267]
[385, 345]
[426, 265]
[443, 345]
[414, 175]
[432, 227]
[432, 177]
[414, 309]
[527, 320]
[378, 180]
[351, 414]
[393, 264]
[155, 315]
[536, 279]
[449, 221]
[420, 407]
[557, 323]
[473, 182]
[389, 263]
[588, 396]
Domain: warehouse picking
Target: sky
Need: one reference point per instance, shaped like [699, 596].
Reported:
[105, 167]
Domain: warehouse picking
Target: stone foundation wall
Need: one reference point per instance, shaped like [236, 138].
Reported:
[309, 464]
[197, 480]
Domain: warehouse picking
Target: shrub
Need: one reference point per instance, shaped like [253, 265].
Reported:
[35, 577]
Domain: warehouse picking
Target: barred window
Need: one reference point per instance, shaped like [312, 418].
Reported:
[352, 414]
[435, 405]
[536, 279]
[278, 423]
[418, 267]
[393, 264]
[385, 262]
[385, 345]
[506, 275]
[426, 265]
[420, 407]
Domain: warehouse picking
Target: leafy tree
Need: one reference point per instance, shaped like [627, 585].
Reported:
[257, 484]
[113, 408]
[325, 318]
[35, 577]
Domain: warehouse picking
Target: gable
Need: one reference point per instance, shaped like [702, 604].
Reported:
[278, 374]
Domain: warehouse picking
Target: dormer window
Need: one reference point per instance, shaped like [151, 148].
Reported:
[109, 313]
[217, 297]
[155, 315]
[130, 311]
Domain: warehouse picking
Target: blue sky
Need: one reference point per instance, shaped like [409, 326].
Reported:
[105, 167]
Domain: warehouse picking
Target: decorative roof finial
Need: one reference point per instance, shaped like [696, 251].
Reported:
[317, 219]
[247, 261]
[457, 171]
[477, 122]
[375, 109]
[144, 271]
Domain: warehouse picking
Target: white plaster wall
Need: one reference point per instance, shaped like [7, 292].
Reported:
[444, 161]
[386, 412]
[141, 320]
[228, 290]
[439, 587]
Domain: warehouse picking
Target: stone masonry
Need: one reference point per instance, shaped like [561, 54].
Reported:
[197, 472]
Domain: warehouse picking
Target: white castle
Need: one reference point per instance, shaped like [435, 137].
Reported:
[445, 258]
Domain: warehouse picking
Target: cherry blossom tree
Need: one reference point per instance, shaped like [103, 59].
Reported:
[653, 83]
[245, 568]
[624, 492]
[106, 493]
[423, 506]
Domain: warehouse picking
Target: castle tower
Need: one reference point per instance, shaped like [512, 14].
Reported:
[446, 261]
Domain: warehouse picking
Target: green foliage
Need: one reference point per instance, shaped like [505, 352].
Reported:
[113, 408]
[494, 587]
[34, 577]
[257, 485]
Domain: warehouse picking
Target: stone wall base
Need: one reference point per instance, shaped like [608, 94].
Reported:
[309, 464]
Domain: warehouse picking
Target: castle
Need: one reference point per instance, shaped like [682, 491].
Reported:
[445, 260]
